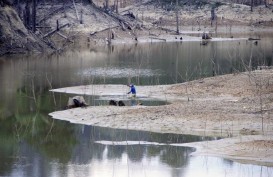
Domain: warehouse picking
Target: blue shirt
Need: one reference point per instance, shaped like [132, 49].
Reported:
[133, 90]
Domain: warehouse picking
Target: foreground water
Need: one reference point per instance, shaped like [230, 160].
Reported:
[33, 144]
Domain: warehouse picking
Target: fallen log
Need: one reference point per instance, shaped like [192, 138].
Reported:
[123, 22]
[50, 44]
[54, 31]
[162, 39]
[93, 33]
[122, 26]
[63, 36]
[254, 39]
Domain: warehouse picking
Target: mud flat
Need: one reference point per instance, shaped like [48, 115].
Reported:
[233, 105]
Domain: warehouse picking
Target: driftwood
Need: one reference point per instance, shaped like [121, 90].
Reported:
[122, 26]
[63, 36]
[50, 44]
[162, 39]
[253, 39]
[54, 31]
[93, 33]
[125, 24]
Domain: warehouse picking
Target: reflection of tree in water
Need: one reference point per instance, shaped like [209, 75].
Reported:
[170, 155]
[28, 125]
[136, 152]
[50, 136]
[175, 156]
[153, 151]
[228, 162]
[115, 152]
[53, 140]
[7, 145]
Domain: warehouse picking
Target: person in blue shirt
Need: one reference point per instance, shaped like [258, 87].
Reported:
[132, 90]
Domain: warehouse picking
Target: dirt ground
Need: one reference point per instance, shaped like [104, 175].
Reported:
[148, 20]
[236, 107]
[151, 21]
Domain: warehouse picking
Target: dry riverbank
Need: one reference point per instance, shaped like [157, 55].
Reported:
[146, 21]
[234, 105]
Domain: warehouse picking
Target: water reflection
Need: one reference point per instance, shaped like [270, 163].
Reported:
[32, 144]
[92, 159]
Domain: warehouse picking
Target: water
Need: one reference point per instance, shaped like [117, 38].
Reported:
[33, 144]
[77, 153]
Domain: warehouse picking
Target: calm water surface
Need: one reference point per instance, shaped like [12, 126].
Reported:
[32, 144]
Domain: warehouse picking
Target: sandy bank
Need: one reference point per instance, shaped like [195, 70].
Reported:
[233, 105]
[255, 149]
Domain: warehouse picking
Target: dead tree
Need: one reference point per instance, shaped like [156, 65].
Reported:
[27, 15]
[212, 16]
[117, 6]
[265, 3]
[34, 15]
[177, 22]
[56, 30]
[106, 4]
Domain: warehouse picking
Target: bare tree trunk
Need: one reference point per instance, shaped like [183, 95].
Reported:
[177, 22]
[212, 16]
[106, 4]
[81, 19]
[27, 15]
[252, 2]
[33, 15]
[265, 3]
[117, 7]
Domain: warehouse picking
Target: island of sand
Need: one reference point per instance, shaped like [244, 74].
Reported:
[235, 107]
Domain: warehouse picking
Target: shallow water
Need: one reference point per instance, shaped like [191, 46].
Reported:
[81, 153]
[33, 144]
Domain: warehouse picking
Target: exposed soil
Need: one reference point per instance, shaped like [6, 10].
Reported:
[147, 20]
[14, 37]
[234, 105]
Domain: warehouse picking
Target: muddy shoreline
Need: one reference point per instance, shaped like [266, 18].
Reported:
[233, 105]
